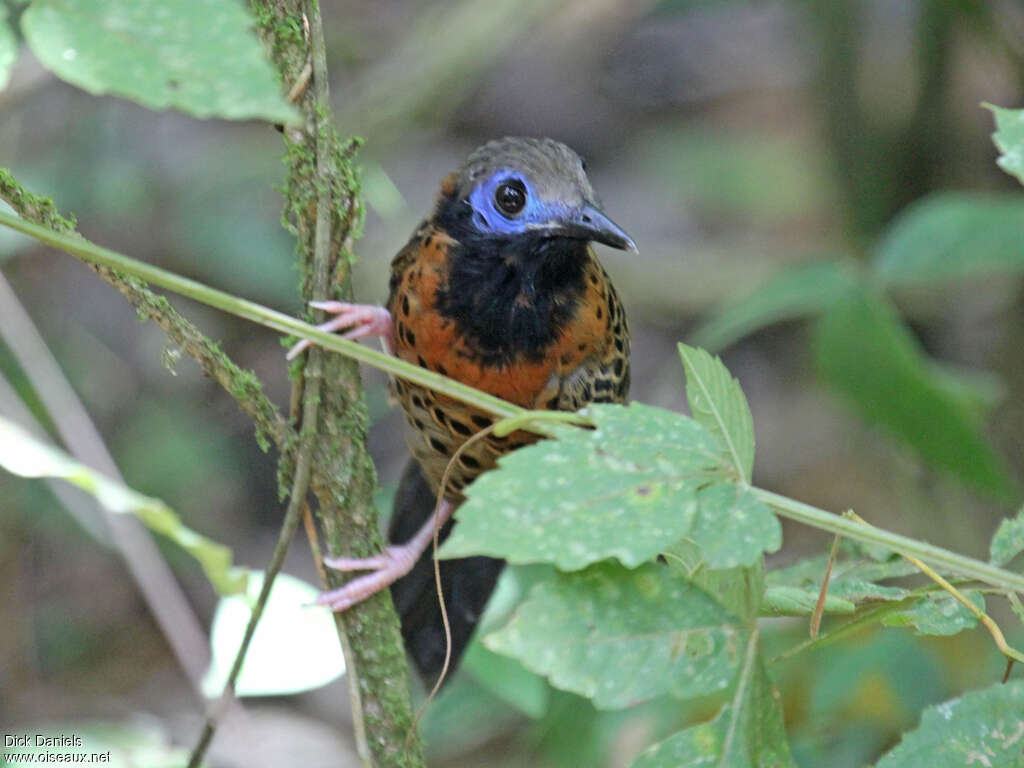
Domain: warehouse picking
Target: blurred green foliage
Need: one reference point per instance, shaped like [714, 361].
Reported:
[831, 191]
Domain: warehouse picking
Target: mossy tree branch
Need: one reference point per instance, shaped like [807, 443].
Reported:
[242, 385]
[321, 187]
[323, 210]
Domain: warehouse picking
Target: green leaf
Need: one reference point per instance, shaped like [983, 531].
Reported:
[718, 405]
[508, 680]
[950, 236]
[627, 489]
[733, 527]
[938, 613]
[199, 56]
[798, 291]
[860, 591]
[976, 391]
[295, 647]
[867, 355]
[21, 454]
[793, 601]
[852, 580]
[794, 590]
[8, 49]
[738, 590]
[620, 637]
[1009, 539]
[747, 733]
[1009, 138]
[981, 728]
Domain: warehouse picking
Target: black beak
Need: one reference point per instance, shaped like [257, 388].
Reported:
[588, 223]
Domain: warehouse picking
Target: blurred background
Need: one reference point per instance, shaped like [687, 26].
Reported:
[730, 139]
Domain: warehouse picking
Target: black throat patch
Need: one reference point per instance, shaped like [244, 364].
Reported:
[510, 296]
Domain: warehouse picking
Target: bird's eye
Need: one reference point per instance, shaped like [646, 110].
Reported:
[511, 196]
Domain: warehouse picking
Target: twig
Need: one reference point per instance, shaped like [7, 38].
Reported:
[819, 607]
[322, 185]
[269, 318]
[1011, 654]
[784, 506]
[869, 534]
[321, 268]
[437, 572]
[300, 485]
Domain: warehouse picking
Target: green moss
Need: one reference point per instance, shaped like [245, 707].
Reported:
[36, 208]
[343, 477]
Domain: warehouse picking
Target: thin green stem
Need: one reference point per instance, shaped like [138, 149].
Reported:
[786, 507]
[868, 534]
[743, 682]
[257, 313]
[284, 538]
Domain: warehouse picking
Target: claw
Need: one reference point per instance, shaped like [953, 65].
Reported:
[385, 568]
[361, 320]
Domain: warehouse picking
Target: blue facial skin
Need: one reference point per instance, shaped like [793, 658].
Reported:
[535, 215]
[581, 220]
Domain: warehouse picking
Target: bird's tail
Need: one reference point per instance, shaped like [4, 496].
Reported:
[467, 583]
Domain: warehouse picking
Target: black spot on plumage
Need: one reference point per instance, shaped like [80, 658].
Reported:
[619, 367]
[438, 446]
[410, 338]
[552, 404]
[405, 305]
[600, 313]
[421, 362]
[481, 421]
[442, 370]
[469, 462]
[439, 415]
[620, 345]
[459, 427]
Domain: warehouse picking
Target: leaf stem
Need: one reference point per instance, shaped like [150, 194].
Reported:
[786, 507]
[250, 310]
[868, 534]
[1011, 654]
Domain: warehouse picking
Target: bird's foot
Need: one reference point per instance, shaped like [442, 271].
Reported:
[385, 568]
[362, 320]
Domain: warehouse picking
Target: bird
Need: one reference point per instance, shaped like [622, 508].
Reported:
[499, 288]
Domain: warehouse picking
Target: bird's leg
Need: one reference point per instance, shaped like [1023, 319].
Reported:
[387, 567]
[362, 320]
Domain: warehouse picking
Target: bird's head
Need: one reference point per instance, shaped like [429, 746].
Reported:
[534, 188]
